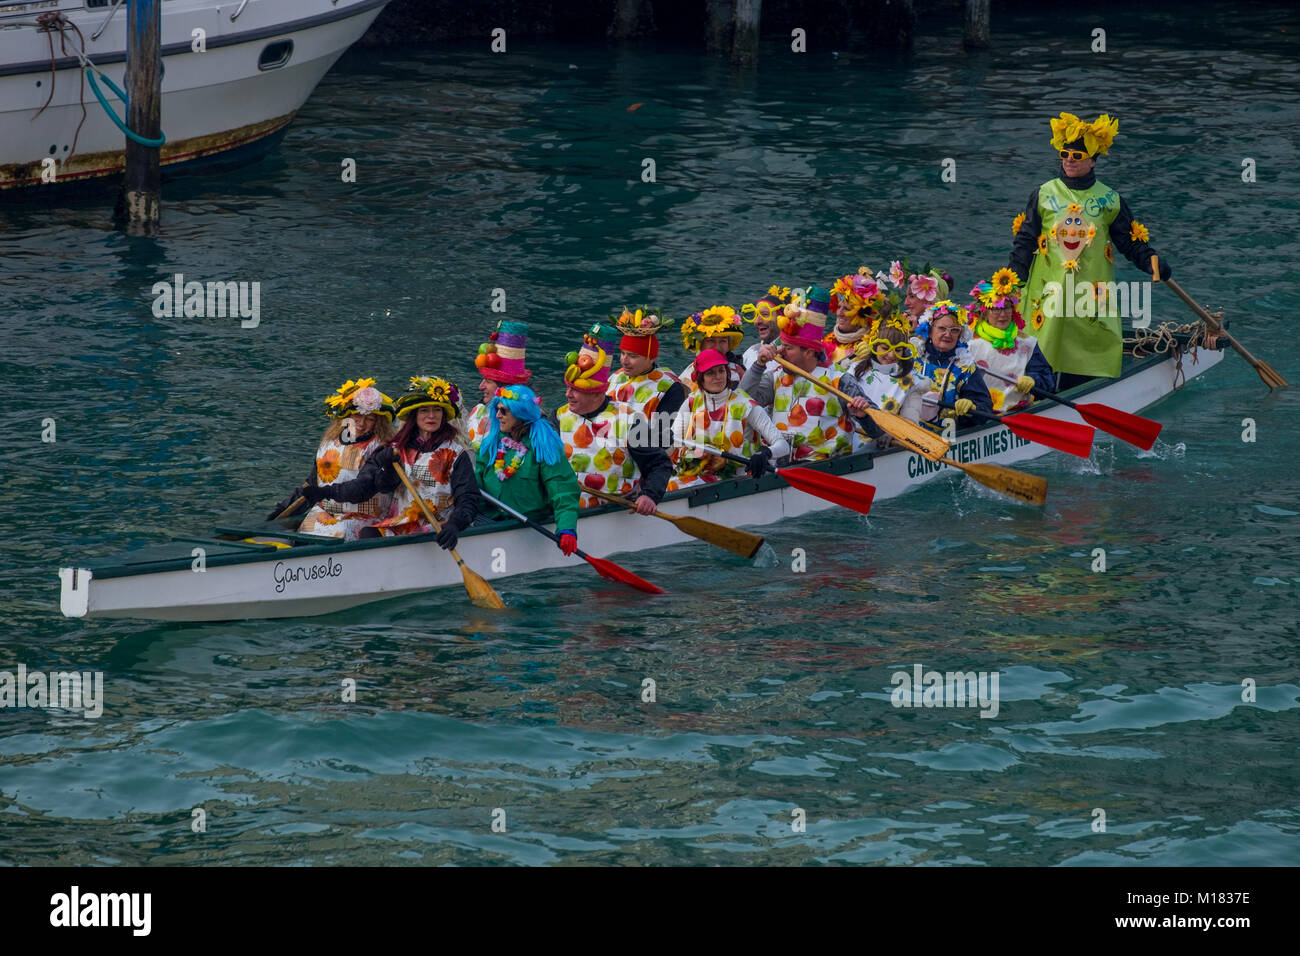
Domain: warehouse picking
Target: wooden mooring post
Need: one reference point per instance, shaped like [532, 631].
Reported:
[139, 203]
[977, 24]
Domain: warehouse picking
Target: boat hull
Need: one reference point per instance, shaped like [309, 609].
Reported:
[213, 102]
[324, 579]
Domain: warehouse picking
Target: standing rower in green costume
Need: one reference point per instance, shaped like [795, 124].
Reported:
[1071, 227]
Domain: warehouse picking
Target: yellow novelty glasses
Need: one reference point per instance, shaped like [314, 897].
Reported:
[903, 350]
[1075, 154]
[763, 311]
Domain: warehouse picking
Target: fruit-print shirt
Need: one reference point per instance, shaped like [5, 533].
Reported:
[658, 390]
[730, 421]
[610, 453]
[812, 419]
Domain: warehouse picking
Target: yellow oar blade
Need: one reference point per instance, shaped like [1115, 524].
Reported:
[730, 539]
[920, 440]
[1020, 485]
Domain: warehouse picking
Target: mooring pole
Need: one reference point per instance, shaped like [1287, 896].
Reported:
[977, 25]
[744, 47]
[139, 202]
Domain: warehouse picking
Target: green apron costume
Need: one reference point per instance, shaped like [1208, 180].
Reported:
[1076, 225]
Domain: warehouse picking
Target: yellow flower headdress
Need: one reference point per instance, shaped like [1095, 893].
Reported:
[358, 398]
[712, 322]
[1097, 136]
[429, 390]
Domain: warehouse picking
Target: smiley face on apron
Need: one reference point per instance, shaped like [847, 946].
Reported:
[1073, 232]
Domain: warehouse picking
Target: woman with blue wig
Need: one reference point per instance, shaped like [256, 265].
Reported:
[521, 461]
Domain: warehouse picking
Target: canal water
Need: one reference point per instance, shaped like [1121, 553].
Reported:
[1148, 713]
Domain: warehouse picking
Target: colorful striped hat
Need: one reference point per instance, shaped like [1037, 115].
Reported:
[501, 357]
[807, 326]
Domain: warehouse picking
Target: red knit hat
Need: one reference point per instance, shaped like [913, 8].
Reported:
[641, 330]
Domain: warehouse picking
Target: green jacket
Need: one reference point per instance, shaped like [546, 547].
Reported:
[540, 491]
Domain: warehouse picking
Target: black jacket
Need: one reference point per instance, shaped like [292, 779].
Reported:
[377, 476]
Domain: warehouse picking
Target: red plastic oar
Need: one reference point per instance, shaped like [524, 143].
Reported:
[833, 488]
[1069, 437]
[1126, 426]
[605, 568]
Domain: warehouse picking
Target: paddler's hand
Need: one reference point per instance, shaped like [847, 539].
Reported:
[1160, 269]
[1024, 384]
[568, 542]
[646, 506]
[858, 405]
[313, 493]
[760, 462]
[963, 407]
[766, 353]
[448, 536]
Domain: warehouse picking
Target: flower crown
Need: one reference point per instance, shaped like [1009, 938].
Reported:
[511, 395]
[645, 321]
[1098, 136]
[359, 397]
[438, 389]
[1000, 292]
[715, 321]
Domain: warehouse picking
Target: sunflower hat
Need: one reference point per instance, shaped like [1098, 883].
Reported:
[1001, 291]
[359, 398]
[719, 320]
[428, 390]
[1096, 137]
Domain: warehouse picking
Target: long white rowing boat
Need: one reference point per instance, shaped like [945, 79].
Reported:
[240, 580]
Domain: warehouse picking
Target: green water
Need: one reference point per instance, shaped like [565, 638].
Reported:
[1119, 690]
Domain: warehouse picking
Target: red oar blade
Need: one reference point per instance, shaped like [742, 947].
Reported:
[608, 569]
[1133, 429]
[849, 494]
[1069, 437]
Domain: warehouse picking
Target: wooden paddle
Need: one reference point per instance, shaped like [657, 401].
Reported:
[479, 591]
[848, 494]
[297, 503]
[1133, 429]
[731, 539]
[605, 568]
[1069, 437]
[1271, 378]
[918, 439]
[1014, 484]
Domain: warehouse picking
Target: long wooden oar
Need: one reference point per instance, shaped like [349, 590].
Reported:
[1133, 429]
[1069, 437]
[1271, 378]
[604, 567]
[1020, 485]
[918, 439]
[731, 539]
[297, 503]
[841, 491]
[479, 591]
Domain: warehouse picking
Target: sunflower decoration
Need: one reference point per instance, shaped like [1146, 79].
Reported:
[1017, 223]
[860, 296]
[1037, 319]
[1138, 232]
[1042, 243]
[999, 398]
[1004, 282]
[327, 466]
[1070, 265]
[1110, 254]
[889, 404]
[356, 398]
[442, 393]
[718, 320]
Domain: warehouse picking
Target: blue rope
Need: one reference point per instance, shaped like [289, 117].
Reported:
[121, 95]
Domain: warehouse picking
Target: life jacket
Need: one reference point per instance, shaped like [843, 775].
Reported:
[597, 450]
[813, 420]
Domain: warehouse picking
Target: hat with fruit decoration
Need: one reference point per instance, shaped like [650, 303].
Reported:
[589, 366]
[501, 357]
[805, 326]
[641, 330]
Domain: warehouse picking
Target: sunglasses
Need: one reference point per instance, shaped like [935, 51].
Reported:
[1075, 154]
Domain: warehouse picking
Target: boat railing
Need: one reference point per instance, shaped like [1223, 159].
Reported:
[108, 19]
